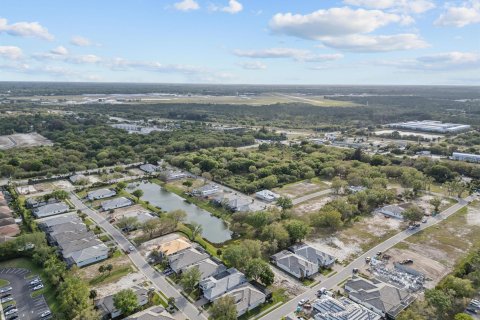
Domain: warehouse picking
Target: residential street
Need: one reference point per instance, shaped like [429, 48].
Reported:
[188, 309]
[291, 305]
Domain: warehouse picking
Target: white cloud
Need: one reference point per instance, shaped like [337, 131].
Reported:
[295, 54]
[11, 52]
[25, 29]
[60, 50]
[371, 43]
[445, 61]
[80, 41]
[253, 65]
[407, 6]
[460, 16]
[233, 7]
[186, 5]
[333, 22]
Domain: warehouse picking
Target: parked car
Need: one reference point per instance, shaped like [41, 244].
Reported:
[302, 302]
[46, 314]
[10, 307]
[40, 286]
[10, 312]
[5, 289]
[7, 299]
[14, 317]
[35, 281]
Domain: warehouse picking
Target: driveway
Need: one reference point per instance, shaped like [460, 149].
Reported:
[28, 308]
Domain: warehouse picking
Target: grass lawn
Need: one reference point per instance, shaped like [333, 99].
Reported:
[110, 277]
[4, 282]
[48, 291]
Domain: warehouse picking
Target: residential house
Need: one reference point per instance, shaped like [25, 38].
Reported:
[171, 175]
[328, 308]
[101, 194]
[32, 203]
[107, 308]
[174, 246]
[8, 224]
[322, 259]
[393, 210]
[246, 298]
[50, 209]
[78, 179]
[116, 203]
[355, 189]
[215, 286]
[182, 260]
[293, 264]
[87, 256]
[208, 268]
[206, 190]
[384, 299]
[234, 202]
[148, 168]
[152, 313]
[267, 195]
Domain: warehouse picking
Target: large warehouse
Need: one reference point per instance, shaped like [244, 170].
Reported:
[430, 126]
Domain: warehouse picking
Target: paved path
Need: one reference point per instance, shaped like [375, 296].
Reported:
[311, 196]
[331, 282]
[188, 309]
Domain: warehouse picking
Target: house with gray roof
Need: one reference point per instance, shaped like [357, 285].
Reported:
[47, 222]
[393, 210]
[87, 256]
[32, 203]
[184, 259]
[246, 298]
[208, 268]
[294, 265]
[267, 195]
[322, 259]
[206, 190]
[215, 286]
[116, 203]
[50, 209]
[152, 313]
[234, 202]
[107, 308]
[148, 168]
[328, 308]
[382, 298]
[101, 194]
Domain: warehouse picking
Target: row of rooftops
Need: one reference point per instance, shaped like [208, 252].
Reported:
[302, 260]
[8, 225]
[75, 242]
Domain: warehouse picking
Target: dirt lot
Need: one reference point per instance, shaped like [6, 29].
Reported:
[148, 246]
[424, 203]
[123, 283]
[23, 140]
[90, 272]
[196, 183]
[353, 240]
[51, 186]
[311, 205]
[301, 188]
[292, 287]
[444, 244]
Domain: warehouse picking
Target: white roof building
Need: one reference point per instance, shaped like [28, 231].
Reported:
[217, 285]
[468, 157]
[328, 308]
[101, 194]
[116, 203]
[267, 195]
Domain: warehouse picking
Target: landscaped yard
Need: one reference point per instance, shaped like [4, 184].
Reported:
[48, 291]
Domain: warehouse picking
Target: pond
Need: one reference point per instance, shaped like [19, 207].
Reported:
[215, 230]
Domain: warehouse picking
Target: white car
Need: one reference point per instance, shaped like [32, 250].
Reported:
[35, 281]
[10, 312]
[6, 289]
[40, 286]
[46, 314]
[131, 248]
[6, 299]
[302, 302]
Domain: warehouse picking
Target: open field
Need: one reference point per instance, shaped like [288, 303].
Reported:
[23, 140]
[121, 267]
[312, 205]
[443, 244]
[253, 100]
[301, 188]
[354, 239]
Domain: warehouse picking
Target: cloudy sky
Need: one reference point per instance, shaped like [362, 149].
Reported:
[242, 41]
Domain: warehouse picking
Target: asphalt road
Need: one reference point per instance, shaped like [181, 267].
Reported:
[28, 308]
[311, 196]
[185, 307]
[331, 282]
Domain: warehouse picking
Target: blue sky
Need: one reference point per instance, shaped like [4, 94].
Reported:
[242, 41]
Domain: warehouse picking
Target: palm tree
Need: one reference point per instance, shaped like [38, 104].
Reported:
[93, 295]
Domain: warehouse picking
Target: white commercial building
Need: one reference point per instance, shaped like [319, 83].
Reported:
[430, 126]
[469, 157]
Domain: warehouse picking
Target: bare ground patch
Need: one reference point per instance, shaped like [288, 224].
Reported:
[301, 188]
[311, 205]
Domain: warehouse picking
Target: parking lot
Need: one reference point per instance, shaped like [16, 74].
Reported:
[28, 308]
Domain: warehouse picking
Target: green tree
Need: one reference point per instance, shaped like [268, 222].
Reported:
[177, 216]
[190, 279]
[137, 194]
[413, 214]
[259, 270]
[93, 294]
[436, 202]
[297, 230]
[125, 301]
[463, 316]
[338, 185]
[327, 218]
[196, 229]
[460, 288]
[109, 268]
[224, 308]
[441, 301]
[128, 223]
[276, 232]
[151, 226]
[121, 186]
[409, 314]
[285, 203]
[73, 295]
